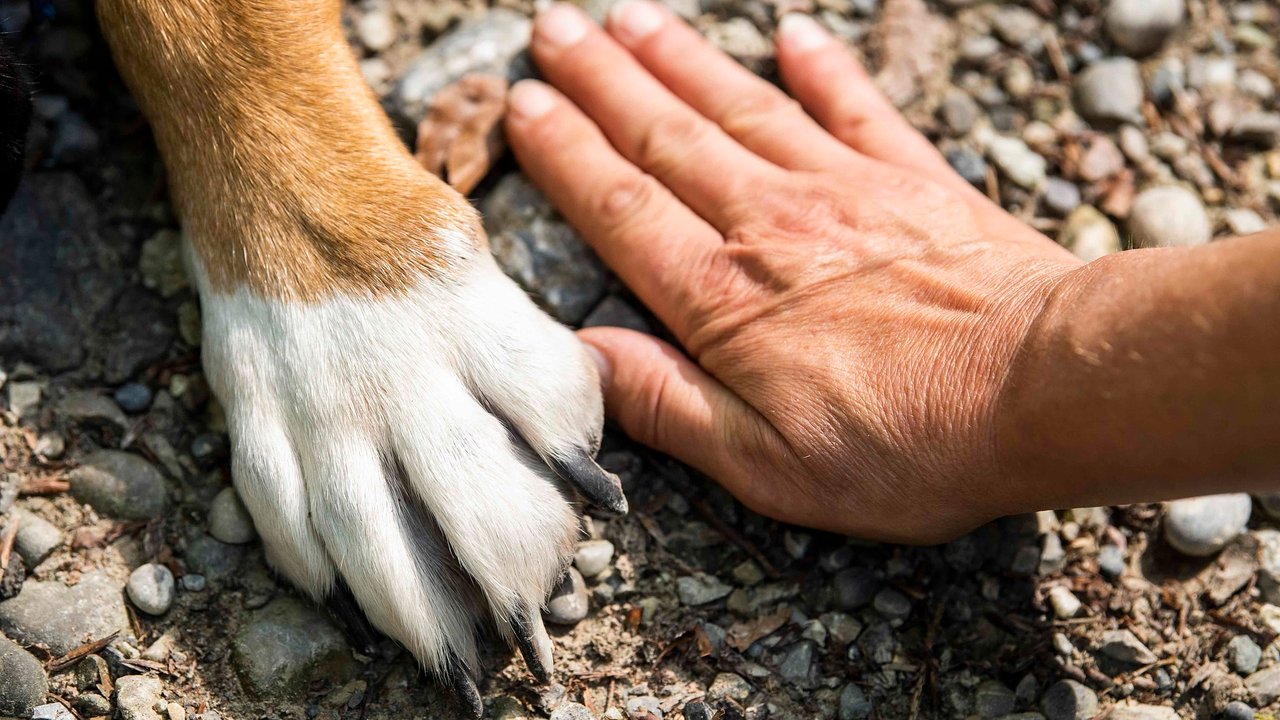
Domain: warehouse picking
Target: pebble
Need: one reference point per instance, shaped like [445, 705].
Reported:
[120, 484]
[1124, 646]
[1243, 654]
[1264, 685]
[37, 538]
[1060, 196]
[193, 582]
[161, 263]
[50, 613]
[1052, 556]
[489, 43]
[993, 699]
[968, 165]
[645, 707]
[1089, 234]
[975, 50]
[855, 588]
[731, 686]
[1211, 73]
[1261, 129]
[592, 557]
[1168, 216]
[376, 30]
[229, 521]
[697, 710]
[151, 588]
[1139, 27]
[1129, 710]
[892, 604]
[959, 112]
[91, 411]
[572, 711]
[24, 398]
[213, 559]
[842, 628]
[51, 711]
[1018, 162]
[854, 704]
[797, 665]
[1202, 526]
[93, 704]
[568, 604]
[1101, 160]
[133, 397]
[1111, 562]
[1016, 25]
[1064, 602]
[1110, 91]
[1069, 700]
[23, 683]
[137, 696]
[283, 646]
[1243, 221]
[1237, 710]
[1256, 84]
[701, 589]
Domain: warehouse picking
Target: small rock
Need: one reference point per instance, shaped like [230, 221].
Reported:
[968, 165]
[1111, 562]
[1169, 216]
[1243, 221]
[568, 604]
[488, 44]
[1256, 128]
[376, 30]
[93, 412]
[24, 398]
[137, 696]
[1052, 556]
[1124, 646]
[1139, 27]
[1264, 685]
[1069, 700]
[645, 707]
[854, 704]
[229, 521]
[193, 582]
[120, 484]
[51, 711]
[63, 618]
[1018, 162]
[1133, 143]
[1101, 159]
[1062, 645]
[892, 604]
[731, 686]
[74, 139]
[1211, 74]
[798, 663]
[959, 112]
[592, 557]
[992, 699]
[37, 538]
[695, 590]
[93, 704]
[1202, 526]
[212, 559]
[975, 50]
[23, 683]
[855, 588]
[285, 645]
[1016, 25]
[698, 711]
[1060, 196]
[151, 588]
[842, 628]
[1129, 710]
[572, 711]
[1110, 92]
[133, 397]
[1064, 602]
[1243, 654]
[1237, 710]
[161, 263]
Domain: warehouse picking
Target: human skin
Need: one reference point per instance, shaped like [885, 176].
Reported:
[867, 344]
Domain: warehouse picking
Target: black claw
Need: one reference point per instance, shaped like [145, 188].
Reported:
[360, 632]
[600, 487]
[465, 690]
[523, 629]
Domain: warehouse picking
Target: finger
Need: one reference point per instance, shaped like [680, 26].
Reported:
[752, 111]
[836, 90]
[648, 125]
[650, 239]
[664, 400]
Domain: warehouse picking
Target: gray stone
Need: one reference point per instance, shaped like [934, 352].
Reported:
[1052, 556]
[854, 704]
[697, 711]
[1168, 216]
[161, 263]
[568, 604]
[120, 484]
[93, 704]
[64, 617]
[892, 604]
[490, 43]
[1124, 646]
[1243, 654]
[37, 538]
[797, 664]
[193, 582]
[1018, 162]
[1211, 74]
[615, 312]
[1264, 685]
[74, 139]
[1237, 710]
[1016, 25]
[133, 397]
[24, 398]
[1256, 128]
[992, 699]
[1129, 710]
[1064, 602]
[1069, 700]
[731, 686]
[541, 252]
[842, 628]
[855, 588]
[1061, 196]
[9, 483]
[592, 557]
[213, 559]
[1111, 561]
[1202, 526]
[645, 707]
[151, 588]
[878, 643]
[959, 112]
[572, 711]
[137, 695]
[23, 683]
[92, 412]
[51, 711]
[695, 590]
[1110, 92]
[1139, 27]
[968, 165]
[229, 521]
[285, 645]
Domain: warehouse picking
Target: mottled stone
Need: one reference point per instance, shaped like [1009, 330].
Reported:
[137, 695]
[285, 645]
[120, 484]
[23, 683]
[64, 617]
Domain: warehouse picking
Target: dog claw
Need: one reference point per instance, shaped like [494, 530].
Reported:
[535, 646]
[465, 690]
[601, 487]
[360, 632]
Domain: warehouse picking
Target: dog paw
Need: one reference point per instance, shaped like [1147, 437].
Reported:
[421, 448]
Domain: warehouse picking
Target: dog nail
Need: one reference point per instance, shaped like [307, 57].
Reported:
[465, 690]
[535, 646]
[602, 489]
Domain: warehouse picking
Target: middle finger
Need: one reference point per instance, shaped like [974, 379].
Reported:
[650, 126]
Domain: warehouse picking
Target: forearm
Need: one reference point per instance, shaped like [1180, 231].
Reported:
[1151, 374]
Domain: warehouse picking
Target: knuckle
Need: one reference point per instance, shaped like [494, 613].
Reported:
[624, 200]
[670, 139]
[756, 112]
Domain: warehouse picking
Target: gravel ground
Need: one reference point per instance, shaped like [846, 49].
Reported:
[1107, 125]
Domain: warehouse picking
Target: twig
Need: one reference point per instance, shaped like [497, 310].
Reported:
[6, 542]
[44, 486]
[734, 537]
[89, 648]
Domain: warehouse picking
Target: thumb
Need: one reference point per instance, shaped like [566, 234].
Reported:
[663, 399]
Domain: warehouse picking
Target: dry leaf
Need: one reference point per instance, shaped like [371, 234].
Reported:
[742, 635]
[460, 137]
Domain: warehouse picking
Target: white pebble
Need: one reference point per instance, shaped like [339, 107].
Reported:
[229, 521]
[151, 588]
[1065, 603]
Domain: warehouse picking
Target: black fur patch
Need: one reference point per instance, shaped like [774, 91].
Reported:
[15, 115]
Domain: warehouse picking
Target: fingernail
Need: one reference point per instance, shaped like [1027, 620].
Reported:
[603, 368]
[633, 20]
[530, 100]
[562, 25]
[802, 33]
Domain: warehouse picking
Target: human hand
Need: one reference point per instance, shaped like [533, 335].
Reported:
[848, 307]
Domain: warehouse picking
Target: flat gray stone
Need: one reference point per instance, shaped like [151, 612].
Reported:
[285, 645]
[37, 538]
[120, 484]
[695, 590]
[213, 559]
[23, 684]
[490, 43]
[1069, 700]
[137, 695]
[64, 617]
[1264, 685]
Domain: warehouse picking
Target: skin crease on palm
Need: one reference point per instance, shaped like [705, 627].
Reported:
[848, 309]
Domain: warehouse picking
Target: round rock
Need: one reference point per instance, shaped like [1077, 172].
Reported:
[133, 397]
[592, 557]
[1237, 711]
[229, 521]
[23, 684]
[1202, 526]
[286, 645]
[1069, 700]
[151, 588]
[120, 484]
[568, 604]
[854, 704]
[1169, 216]
[1139, 27]
[137, 696]
[1110, 91]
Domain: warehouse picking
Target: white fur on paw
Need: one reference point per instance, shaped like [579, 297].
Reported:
[402, 445]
